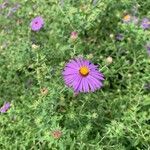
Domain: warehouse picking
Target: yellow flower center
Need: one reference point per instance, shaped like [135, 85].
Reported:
[127, 17]
[84, 71]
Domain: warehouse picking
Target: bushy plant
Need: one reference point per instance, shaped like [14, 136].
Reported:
[44, 113]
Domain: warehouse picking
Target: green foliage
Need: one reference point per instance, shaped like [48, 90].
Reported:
[117, 117]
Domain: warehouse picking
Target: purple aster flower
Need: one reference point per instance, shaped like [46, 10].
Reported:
[37, 23]
[5, 107]
[130, 19]
[74, 35]
[145, 23]
[4, 4]
[127, 18]
[82, 76]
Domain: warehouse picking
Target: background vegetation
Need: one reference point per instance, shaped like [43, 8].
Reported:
[117, 117]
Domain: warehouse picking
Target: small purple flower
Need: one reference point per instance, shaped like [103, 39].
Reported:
[37, 23]
[74, 35]
[82, 76]
[148, 48]
[119, 37]
[5, 107]
[145, 23]
[4, 4]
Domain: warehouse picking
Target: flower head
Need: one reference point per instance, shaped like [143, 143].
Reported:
[5, 107]
[127, 18]
[145, 23]
[130, 19]
[74, 35]
[44, 91]
[37, 23]
[4, 4]
[56, 134]
[82, 76]
[109, 60]
[34, 46]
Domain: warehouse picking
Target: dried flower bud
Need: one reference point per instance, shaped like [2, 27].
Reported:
[56, 134]
[35, 46]
[109, 60]
[74, 35]
[44, 91]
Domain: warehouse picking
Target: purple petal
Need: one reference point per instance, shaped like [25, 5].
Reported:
[5, 107]
[77, 83]
[37, 23]
[73, 82]
[91, 86]
[69, 79]
[96, 82]
[85, 85]
[97, 75]
[69, 71]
